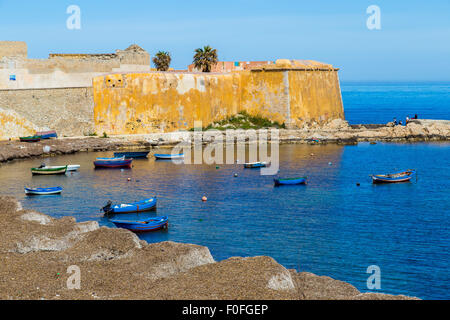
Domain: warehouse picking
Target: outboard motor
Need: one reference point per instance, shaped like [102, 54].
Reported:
[42, 165]
[107, 208]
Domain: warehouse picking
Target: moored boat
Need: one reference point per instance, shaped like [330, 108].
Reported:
[132, 154]
[393, 178]
[30, 139]
[290, 181]
[144, 225]
[47, 134]
[73, 167]
[126, 163]
[112, 159]
[135, 207]
[48, 170]
[43, 191]
[169, 156]
[252, 165]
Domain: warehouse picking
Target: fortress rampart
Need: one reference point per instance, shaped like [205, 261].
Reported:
[290, 92]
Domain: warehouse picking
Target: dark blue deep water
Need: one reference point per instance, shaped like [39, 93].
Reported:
[329, 227]
[376, 102]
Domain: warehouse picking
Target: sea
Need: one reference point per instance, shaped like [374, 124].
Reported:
[338, 225]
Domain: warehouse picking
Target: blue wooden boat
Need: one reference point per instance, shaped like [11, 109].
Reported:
[42, 191]
[132, 154]
[144, 225]
[140, 206]
[47, 134]
[113, 163]
[169, 156]
[252, 165]
[394, 178]
[290, 181]
[111, 159]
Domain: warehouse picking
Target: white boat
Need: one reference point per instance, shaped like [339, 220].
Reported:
[73, 167]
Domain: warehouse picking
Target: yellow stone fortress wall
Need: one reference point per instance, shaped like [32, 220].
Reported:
[293, 92]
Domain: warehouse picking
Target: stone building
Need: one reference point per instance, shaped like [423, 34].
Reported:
[64, 70]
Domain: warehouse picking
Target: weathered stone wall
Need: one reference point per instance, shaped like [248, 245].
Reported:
[64, 70]
[13, 49]
[161, 101]
[69, 111]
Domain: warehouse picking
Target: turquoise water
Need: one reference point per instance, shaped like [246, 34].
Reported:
[329, 227]
[376, 102]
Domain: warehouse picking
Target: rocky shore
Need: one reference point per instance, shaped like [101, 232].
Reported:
[37, 250]
[336, 131]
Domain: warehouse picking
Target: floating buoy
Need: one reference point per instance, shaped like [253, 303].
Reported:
[235, 174]
[312, 154]
[204, 199]
[129, 179]
[358, 184]
[329, 163]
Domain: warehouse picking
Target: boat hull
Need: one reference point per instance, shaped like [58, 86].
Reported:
[30, 139]
[47, 134]
[393, 178]
[132, 155]
[289, 182]
[255, 165]
[113, 163]
[73, 167]
[49, 170]
[136, 207]
[42, 191]
[168, 156]
[148, 225]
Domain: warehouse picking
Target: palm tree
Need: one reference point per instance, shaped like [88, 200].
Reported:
[205, 58]
[162, 61]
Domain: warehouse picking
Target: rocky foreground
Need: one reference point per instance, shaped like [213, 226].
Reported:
[336, 131]
[36, 251]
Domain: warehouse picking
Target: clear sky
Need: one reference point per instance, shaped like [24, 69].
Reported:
[413, 43]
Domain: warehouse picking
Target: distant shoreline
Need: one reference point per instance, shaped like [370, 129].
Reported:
[335, 132]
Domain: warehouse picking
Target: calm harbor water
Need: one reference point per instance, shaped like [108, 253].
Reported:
[380, 102]
[329, 227]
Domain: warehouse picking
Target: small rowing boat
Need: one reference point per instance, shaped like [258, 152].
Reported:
[393, 178]
[47, 134]
[140, 206]
[169, 156]
[144, 225]
[126, 163]
[48, 170]
[112, 159]
[42, 191]
[290, 181]
[132, 154]
[73, 167]
[30, 139]
[252, 165]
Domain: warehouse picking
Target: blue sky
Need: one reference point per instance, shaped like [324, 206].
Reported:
[413, 43]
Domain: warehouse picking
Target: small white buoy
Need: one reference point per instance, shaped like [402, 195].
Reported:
[129, 179]
[204, 199]
[235, 174]
[329, 163]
